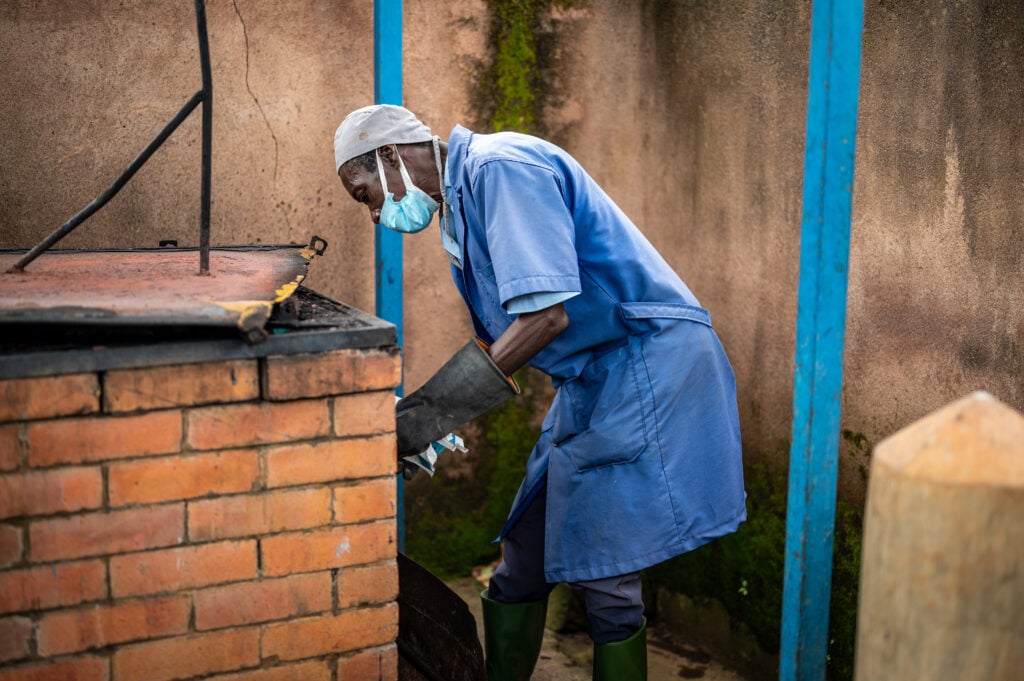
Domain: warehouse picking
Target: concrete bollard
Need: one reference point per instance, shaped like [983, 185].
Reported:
[942, 570]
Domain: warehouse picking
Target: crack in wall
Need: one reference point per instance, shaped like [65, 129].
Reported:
[266, 121]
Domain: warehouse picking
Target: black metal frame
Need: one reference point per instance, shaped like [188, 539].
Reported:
[205, 97]
[361, 332]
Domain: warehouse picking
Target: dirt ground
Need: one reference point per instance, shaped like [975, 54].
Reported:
[568, 657]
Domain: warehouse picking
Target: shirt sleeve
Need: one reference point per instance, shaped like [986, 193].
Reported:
[530, 232]
[535, 302]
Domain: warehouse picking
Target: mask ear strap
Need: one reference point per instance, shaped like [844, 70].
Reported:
[440, 175]
[380, 171]
[405, 173]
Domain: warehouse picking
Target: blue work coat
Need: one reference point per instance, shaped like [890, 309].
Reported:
[640, 449]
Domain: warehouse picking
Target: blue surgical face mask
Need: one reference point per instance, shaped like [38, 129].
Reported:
[413, 212]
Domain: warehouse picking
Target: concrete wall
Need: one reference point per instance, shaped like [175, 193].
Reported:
[93, 82]
[937, 295]
[691, 114]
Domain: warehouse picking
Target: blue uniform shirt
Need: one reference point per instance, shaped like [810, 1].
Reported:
[641, 447]
[528, 302]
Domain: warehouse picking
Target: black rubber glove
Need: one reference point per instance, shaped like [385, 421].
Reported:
[467, 385]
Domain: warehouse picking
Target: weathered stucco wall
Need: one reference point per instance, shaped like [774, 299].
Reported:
[937, 260]
[690, 114]
[89, 84]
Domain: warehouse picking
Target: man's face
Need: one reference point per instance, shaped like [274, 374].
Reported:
[364, 186]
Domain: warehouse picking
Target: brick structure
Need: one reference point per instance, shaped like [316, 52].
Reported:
[231, 520]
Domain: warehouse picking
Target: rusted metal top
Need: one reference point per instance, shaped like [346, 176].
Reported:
[153, 287]
[76, 311]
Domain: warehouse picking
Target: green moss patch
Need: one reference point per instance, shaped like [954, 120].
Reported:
[452, 518]
[520, 77]
[744, 571]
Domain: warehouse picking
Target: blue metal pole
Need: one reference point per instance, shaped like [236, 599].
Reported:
[387, 89]
[836, 27]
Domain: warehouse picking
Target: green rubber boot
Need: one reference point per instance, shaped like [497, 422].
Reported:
[623, 660]
[513, 633]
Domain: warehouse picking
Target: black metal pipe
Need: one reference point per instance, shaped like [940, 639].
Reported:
[204, 192]
[111, 191]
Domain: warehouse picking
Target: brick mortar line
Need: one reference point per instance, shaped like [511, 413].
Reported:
[331, 401]
[335, 609]
[342, 483]
[182, 405]
[105, 487]
[317, 439]
[33, 640]
[23, 447]
[333, 507]
[184, 430]
[143, 458]
[101, 654]
[333, 526]
[101, 383]
[185, 539]
[262, 476]
[24, 443]
[26, 549]
[260, 447]
[260, 631]
[122, 414]
[134, 506]
[21, 522]
[263, 379]
[36, 615]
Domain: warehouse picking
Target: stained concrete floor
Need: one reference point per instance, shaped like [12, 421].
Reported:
[568, 657]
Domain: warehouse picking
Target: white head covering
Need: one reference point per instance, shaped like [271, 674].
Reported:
[376, 126]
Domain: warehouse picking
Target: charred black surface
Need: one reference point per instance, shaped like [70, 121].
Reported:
[437, 639]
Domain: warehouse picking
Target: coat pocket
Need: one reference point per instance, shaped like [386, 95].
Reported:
[652, 317]
[600, 418]
[482, 295]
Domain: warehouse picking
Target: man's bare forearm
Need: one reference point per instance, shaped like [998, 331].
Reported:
[529, 334]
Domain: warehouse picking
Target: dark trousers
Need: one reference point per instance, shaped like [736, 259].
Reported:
[614, 608]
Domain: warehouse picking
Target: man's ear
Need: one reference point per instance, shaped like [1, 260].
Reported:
[388, 155]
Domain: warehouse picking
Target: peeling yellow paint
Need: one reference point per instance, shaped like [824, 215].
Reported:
[247, 310]
[288, 288]
[253, 313]
[245, 307]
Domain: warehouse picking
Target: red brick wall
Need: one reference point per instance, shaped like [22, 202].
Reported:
[234, 519]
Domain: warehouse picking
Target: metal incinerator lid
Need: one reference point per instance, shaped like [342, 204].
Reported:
[153, 287]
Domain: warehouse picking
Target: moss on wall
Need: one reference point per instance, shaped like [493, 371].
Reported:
[450, 527]
[452, 518]
[845, 585]
[520, 79]
[515, 64]
[744, 571]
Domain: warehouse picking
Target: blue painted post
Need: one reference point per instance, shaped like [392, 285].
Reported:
[836, 27]
[387, 89]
